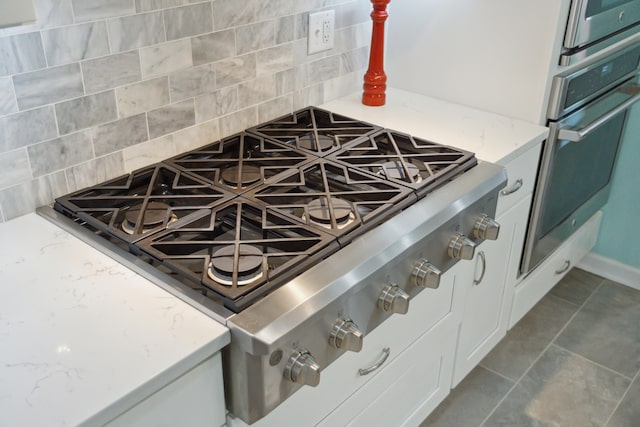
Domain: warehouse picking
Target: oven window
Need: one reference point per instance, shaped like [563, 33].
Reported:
[595, 7]
[579, 171]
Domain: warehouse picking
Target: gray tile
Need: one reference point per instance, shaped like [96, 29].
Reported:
[47, 86]
[275, 59]
[53, 13]
[238, 121]
[213, 47]
[352, 13]
[290, 80]
[8, 103]
[576, 286]
[29, 127]
[275, 108]
[95, 171]
[166, 58]
[89, 10]
[256, 91]
[285, 29]
[21, 53]
[144, 96]
[56, 154]
[628, 412]
[171, 118]
[607, 329]
[253, 37]
[232, 13]
[15, 168]
[85, 112]
[75, 43]
[146, 153]
[236, 70]
[311, 95]
[561, 389]
[529, 337]
[148, 5]
[24, 198]
[111, 71]
[188, 21]
[301, 27]
[120, 134]
[354, 60]
[196, 136]
[135, 31]
[216, 104]
[471, 401]
[192, 82]
[323, 69]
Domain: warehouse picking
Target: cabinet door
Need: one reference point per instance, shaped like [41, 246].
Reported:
[487, 302]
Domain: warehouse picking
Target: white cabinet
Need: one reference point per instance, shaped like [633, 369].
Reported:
[194, 399]
[488, 292]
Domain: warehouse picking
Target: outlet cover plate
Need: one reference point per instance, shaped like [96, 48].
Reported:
[321, 31]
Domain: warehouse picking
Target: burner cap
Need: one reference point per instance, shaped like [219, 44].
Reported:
[241, 176]
[395, 170]
[154, 215]
[321, 143]
[320, 211]
[249, 266]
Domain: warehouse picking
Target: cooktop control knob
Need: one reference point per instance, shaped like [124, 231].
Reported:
[393, 299]
[346, 336]
[461, 247]
[302, 369]
[486, 228]
[426, 275]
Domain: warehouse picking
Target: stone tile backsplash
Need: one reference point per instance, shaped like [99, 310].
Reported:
[98, 88]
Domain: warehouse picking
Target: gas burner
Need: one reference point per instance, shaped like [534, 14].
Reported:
[314, 131]
[239, 162]
[241, 177]
[248, 266]
[417, 163]
[155, 214]
[400, 170]
[323, 210]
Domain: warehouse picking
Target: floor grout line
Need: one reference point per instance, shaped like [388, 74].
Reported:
[606, 423]
[511, 380]
[551, 342]
[586, 359]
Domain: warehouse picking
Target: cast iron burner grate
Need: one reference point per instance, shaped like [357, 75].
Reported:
[240, 250]
[314, 130]
[144, 202]
[334, 198]
[404, 159]
[240, 162]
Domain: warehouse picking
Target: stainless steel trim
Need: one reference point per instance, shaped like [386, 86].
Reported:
[385, 355]
[483, 259]
[565, 267]
[573, 57]
[579, 135]
[583, 30]
[515, 187]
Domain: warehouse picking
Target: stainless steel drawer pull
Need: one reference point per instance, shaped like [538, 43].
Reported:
[564, 268]
[385, 355]
[483, 259]
[515, 187]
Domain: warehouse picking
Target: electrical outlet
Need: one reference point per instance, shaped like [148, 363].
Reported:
[321, 31]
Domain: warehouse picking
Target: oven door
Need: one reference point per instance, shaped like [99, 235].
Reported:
[592, 20]
[576, 169]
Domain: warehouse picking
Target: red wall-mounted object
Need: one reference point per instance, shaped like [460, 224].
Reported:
[375, 80]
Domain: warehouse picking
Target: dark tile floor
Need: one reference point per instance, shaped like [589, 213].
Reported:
[572, 361]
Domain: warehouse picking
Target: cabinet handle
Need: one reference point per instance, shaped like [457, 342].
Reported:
[483, 259]
[565, 267]
[385, 355]
[515, 187]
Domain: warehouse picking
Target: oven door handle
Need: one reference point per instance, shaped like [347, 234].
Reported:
[579, 135]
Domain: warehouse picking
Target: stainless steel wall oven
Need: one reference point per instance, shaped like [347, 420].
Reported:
[586, 118]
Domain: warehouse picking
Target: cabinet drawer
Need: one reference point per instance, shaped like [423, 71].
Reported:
[428, 310]
[407, 390]
[521, 175]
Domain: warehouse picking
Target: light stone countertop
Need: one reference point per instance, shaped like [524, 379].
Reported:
[492, 137]
[83, 336]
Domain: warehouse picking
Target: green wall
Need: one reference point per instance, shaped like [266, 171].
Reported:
[619, 236]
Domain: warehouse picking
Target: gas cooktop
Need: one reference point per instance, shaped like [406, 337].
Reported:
[239, 217]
